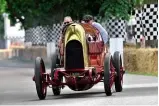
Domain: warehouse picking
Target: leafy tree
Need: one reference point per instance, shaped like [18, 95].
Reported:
[139, 3]
[2, 10]
[122, 8]
[150, 1]
[45, 12]
[116, 8]
[2, 6]
[1, 27]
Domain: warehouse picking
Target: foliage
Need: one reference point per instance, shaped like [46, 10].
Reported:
[150, 1]
[139, 3]
[1, 27]
[2, 6]
[78, 8]
[2, 10]
[116, 8]
[45, 12]
[32, 13]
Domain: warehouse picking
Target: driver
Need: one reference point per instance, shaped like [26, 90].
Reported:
[89, 19]
[66, 22]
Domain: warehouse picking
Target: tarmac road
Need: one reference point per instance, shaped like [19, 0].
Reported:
[17, 87]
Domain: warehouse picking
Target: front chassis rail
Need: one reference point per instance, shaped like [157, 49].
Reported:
[93, 79]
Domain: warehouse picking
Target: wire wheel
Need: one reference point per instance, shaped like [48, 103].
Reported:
[40, 79]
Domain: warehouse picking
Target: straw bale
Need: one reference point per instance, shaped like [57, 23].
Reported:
[5, 53]
[141, 60]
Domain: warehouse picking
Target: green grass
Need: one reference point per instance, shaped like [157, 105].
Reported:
[143, 73]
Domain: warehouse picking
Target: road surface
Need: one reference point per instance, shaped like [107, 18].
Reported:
[17, 87]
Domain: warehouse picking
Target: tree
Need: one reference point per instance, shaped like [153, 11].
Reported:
[139, 3]
[2, 10]
[121, 8]
[2, 6]
[44, 12]
[1, 27]
[116, 8]
[150, 1]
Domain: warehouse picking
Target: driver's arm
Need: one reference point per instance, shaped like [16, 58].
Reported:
[60, 41]
[103, 33]
[61, 37]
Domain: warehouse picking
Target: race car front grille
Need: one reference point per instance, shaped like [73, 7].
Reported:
[74, 55]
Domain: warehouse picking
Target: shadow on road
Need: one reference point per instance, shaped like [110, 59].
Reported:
[127, 92]
[72, 95]
[80, 95]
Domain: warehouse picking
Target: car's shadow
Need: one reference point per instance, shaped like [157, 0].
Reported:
[127, 92]
[83, 94]
[79, 95]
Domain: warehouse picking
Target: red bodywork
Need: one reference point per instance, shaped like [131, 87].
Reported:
[85, 78]
[80, 79]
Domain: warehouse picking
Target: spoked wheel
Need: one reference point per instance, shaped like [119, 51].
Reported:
[119, 71]
[40, 79]
[108, 75]
[55, 90]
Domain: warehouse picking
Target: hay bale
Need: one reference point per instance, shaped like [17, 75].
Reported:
[141, 60]
[32, 52]
[130, 62]
[5, 53]
[24, 53]
[129, 45]
[16, 52]
[16, 47]
[146, 59]
[39, 51]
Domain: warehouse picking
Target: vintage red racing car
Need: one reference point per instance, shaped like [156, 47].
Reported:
[83, 64]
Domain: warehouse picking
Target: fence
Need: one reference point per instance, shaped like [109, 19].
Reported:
[42, 35]
[146, 22]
